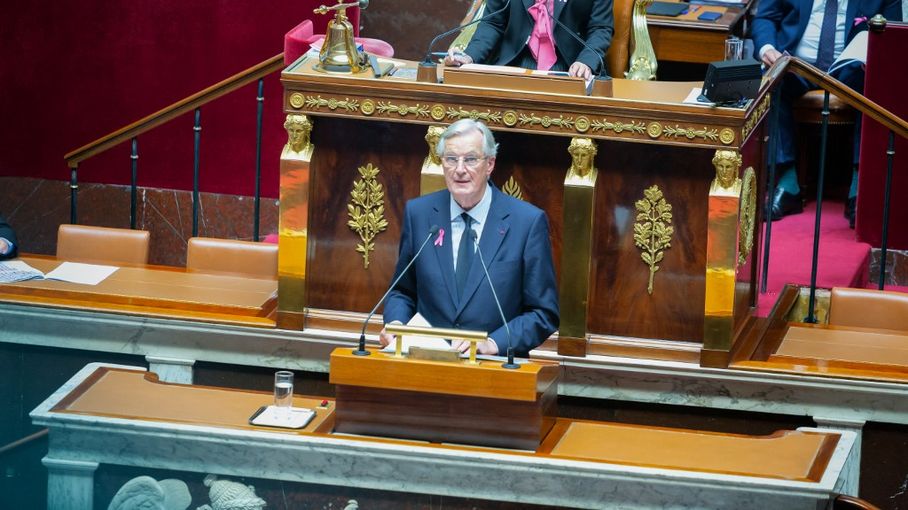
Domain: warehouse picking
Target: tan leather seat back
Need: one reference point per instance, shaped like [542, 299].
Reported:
[227, 256]
[619, 51]
[866, 308]
[102, 245]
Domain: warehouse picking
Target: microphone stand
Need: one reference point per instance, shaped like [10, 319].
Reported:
[510, 363]
[361, 348]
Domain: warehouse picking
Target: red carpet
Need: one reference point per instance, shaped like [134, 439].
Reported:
[843, 261]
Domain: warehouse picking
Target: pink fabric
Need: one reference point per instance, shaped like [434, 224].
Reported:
[298, 41]
[542, 43]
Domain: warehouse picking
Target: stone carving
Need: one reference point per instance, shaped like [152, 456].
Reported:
[146, 493]
[227, 495]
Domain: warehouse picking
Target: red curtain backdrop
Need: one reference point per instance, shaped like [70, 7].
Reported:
[75, 71]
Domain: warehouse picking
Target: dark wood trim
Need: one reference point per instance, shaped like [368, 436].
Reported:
[273, 64]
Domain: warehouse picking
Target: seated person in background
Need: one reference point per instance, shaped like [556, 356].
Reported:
[7, 240]
[527, 37]
[447, 284]
[816, 31]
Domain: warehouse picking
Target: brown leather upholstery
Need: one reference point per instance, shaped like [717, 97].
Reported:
[102, 245]
[619, 51]
[808, 109]
[227, 256]
[866, 308]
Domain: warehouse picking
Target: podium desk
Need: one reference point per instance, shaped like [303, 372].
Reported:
[687, 39]
[154, 291]
[109, 414]
[369, 133]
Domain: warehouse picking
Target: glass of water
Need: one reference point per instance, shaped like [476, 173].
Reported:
[283, 393]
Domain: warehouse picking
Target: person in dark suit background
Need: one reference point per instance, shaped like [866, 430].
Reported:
[524, 35]
[8, 241]
[816, 31]
[447, 284]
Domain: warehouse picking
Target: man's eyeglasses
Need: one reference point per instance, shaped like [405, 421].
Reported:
[470, 162]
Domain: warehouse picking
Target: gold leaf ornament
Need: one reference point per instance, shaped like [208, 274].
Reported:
[652, 229]
[366, 210]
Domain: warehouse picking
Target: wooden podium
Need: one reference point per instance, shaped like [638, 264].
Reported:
[444, 402]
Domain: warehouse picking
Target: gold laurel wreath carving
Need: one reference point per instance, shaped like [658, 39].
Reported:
[691, 133]
[367, 210]
[747, 222]
[752, 121]
[618, 127]
[420, 110]
[316, 102]
[512, 188]
[545, 121]
[653, 230]
[486, 116]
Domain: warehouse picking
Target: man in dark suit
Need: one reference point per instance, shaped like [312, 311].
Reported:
[816, 31]
[7, 240]
[447, 284]
[524, 35]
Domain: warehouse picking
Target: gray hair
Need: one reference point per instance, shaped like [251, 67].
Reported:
[464, 126]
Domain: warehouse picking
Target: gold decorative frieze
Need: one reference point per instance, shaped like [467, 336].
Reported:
[512, 188]
[437, 112]
[618, 127]
[546, 121]
[726, 136]
[487, 116]
[690, 133]
[653, 230]
[420, 110]
[297, 100]
[367, 210]
[755, 117]
[317, 102]
[747, 220]
[367, 107]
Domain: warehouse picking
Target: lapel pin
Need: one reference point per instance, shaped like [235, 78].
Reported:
[441, 237]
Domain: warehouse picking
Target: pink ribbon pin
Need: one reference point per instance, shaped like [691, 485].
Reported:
[858, 21]
[441, 237]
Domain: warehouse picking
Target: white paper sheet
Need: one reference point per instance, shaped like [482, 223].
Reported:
[17, 271]
[425, 342]
[75, 272]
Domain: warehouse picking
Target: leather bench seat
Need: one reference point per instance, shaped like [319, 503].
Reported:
[232, 257]
[867, 308]
[102, 245]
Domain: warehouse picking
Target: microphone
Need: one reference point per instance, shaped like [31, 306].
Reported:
[510, 363]
[601, 74]
[361, 351]
[427, 61]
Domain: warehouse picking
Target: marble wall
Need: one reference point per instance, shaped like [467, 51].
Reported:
[36, 207]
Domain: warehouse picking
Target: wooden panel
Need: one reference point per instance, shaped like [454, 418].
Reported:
[139, 395]
[787, 455]
[445, 418]
[488, 379]
[152, 291]
[619, 302]
[337, 279]
[854, 345]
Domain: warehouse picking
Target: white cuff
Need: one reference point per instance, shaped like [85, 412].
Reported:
[765, 48]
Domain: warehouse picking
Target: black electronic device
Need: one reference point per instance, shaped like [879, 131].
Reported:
[732, 81]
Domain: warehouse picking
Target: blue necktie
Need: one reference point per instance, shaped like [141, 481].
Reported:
[464, 255]
[826, 49]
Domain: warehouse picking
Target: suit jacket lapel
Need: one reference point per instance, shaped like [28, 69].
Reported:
[851, 12]
[558, 6]
[803, 17]
[493, 234]
[444, 254]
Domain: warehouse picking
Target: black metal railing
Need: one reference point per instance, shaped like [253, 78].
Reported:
[865, 106]
[193, 103]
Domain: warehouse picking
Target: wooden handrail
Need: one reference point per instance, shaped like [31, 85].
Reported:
[845, 93]
[21, 441]
[182, 106]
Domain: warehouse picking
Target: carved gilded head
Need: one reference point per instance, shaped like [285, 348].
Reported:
[298, 127]
[582, 151]
[432, 137]
[727, 164]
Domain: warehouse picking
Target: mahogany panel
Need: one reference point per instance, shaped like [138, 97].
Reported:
[445, 418]
[619, 303]
[336, 278]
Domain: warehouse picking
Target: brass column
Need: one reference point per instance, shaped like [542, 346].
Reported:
[432, 177]
[294, 220]
[576, 252]
[721, 259]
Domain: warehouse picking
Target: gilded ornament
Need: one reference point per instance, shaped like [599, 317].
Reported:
[487, 116]
[691, 133]
[367, 107]
[583, 152]
[747, 221]
[752, 121]
[583, 124]
[618, 127]
[367, 210]
[437, 112]
[316, 102]
[299, 130]
[727, 163]
[512, 188]
[297, 100]
[403, 109]
[653, 230]
[510, 118]
[726, 136]
[546, 121]
[654, 130]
